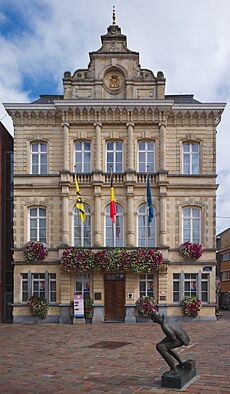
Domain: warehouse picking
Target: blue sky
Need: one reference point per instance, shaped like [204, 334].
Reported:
[188, 40]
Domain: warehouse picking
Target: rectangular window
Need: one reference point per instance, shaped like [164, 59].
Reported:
[37, 221]
[190, 285]
[225, 256]
[176, 287]
[39, 158]
[146, 156]
[38, 285]
[191, 158]
[82, 157]
[204, 288]
[146, 285]
[114, 157]
[191, 225]
[52, 288]
[225, 275]
[25, 294]
[83, 284]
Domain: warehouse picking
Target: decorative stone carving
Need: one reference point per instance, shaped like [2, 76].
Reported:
[114, 81]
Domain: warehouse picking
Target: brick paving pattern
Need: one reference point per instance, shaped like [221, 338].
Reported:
[107, 358]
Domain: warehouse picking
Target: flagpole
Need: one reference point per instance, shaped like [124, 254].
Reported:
[147, 211]
[113, 232]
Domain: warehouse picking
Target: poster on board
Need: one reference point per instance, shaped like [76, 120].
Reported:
[78, 306]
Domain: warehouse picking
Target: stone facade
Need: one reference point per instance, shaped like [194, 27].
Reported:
[114, 99]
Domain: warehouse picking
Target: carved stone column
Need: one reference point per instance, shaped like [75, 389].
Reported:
[97, 217]
[98, 147]
[130, 127]
[162, 145]
[65, 220]
[130, 220]
[65, 146]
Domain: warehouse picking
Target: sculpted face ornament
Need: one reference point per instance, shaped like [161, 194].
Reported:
[114, 82]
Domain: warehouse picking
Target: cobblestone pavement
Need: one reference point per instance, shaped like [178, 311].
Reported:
[68, 359]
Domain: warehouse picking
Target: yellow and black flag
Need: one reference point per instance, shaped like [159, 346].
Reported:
[79, 204]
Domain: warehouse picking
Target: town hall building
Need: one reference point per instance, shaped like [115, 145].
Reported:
[114, 117]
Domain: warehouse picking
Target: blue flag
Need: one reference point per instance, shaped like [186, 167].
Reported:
[149, 201]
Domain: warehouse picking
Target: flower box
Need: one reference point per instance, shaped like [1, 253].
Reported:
[191, 251]
[34, 251]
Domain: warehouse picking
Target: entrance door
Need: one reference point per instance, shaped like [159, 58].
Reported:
[115, 297]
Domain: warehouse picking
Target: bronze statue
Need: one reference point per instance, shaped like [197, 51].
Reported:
[175, 337]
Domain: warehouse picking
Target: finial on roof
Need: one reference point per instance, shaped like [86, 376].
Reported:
[114, 16]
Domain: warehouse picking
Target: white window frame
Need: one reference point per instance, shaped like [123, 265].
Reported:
[37, 218]
[200, 278]
[153, 223]
[191, 219]
[147, 279]
[39, 153]
[38, 280]
[120, 214]
[114, 151]
[191, 155]
[83, 151]
[146, 151]
[24, 280]
[82, 278]
[225, 275]
[52, 279]
[88, 214]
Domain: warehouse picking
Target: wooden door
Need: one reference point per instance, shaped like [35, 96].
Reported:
[115, 297]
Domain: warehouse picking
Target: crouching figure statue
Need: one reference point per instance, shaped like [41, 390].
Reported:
[175, 337]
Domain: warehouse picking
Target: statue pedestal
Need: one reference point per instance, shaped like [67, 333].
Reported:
[182, 376]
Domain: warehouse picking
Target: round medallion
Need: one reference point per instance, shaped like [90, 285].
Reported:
[114, 81]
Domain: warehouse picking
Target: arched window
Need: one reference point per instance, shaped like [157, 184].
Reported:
[191, 224]
[38, 224]
[146, 231]
[114, 233]
[82, 232]
[146, 156]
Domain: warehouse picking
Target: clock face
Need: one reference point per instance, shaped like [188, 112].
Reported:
[114, 81]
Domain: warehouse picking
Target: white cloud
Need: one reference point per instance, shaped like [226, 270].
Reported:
[188, 40]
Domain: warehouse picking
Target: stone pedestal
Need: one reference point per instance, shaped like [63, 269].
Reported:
[182, 376]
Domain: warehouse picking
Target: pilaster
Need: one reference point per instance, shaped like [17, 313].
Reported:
[130, 127]
[98, 127]
[65, 146]
[130, 213]
[162, 126]
[97, 217]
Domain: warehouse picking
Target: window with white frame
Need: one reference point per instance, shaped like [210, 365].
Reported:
[114, 156]
[191, 224]
[114, 232]
[82, 157]
[146, 285]
[191, 158]
[38, 284]
[52, 288]
[191, 285]
[146, 231]
[24, 287]
[82, 284]
[176, 287]
[146, 156]
[39, 158]
[38, 224]
[82, 231]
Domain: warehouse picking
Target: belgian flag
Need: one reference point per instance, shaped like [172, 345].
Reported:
[112, 202]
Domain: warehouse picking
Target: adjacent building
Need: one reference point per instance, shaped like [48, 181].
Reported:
[114, 115]
[6, 224]
[223, 267]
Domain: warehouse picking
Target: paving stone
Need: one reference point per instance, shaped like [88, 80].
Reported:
[59, 359]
